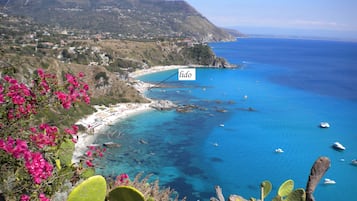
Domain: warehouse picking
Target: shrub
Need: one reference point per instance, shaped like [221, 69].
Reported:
[32, 167]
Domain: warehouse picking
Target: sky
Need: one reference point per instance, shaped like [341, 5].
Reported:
[319, 18]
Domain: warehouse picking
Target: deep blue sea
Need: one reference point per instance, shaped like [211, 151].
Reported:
[283, 89]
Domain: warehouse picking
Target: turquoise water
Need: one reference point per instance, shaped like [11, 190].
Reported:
[284, 89]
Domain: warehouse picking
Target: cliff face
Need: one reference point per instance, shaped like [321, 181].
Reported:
[123, 18]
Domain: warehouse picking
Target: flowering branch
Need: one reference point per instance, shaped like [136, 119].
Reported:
[33, 148]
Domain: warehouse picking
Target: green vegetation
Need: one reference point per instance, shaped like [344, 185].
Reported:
[35, 155]
[122, 189]
[93, 189]
[140, 19]
[286, 190]
[126, 193]
[200, 54]
[26, 45]
[266, 187]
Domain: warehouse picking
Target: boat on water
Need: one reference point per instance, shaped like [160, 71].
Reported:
[324, 125]
[279, 150]
[354, 162]
[338, 146]
[329, 181]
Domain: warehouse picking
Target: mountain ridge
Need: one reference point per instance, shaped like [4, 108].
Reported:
[122, 18]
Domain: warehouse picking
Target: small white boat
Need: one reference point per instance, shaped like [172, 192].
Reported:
[221, 125]
[329, 181]
[324, 125]
[215, 144]
[354, 162]
[338, 146]
[279, 150]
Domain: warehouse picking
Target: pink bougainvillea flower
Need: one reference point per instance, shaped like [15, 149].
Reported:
[81, 74]
[43, 197]
[26, 144]
[25, 198]
[89, 154]
[89, 163]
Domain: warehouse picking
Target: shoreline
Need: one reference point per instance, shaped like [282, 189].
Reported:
[155, 69]
[106, 116]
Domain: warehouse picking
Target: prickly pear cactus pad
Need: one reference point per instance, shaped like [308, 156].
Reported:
[286, 188]
[91, 189]
[297, 195]
[267, 186]
[126, 193]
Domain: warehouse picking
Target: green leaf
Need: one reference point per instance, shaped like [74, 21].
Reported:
[58, 164]
[87, 173]
[65, 152]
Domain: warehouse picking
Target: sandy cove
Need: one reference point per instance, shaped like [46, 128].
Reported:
[154, 69]
[106, 116]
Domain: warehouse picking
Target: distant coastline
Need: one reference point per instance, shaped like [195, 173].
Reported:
[298, 37]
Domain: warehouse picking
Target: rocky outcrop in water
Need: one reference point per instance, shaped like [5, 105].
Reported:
[163, 105]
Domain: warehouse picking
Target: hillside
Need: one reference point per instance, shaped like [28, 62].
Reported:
[26, 46]
[122, 18]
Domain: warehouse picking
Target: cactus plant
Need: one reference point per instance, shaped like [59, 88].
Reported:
[150, 199]
[297, 195]
[277, 198]
[266, 187]
[286, 188]
[126, 193]
[286, 192]
[91, 189]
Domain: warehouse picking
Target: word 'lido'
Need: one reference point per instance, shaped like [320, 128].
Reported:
[187, 74]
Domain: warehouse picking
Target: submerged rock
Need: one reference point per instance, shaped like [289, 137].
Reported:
[222, 110]
[186, 108]
[111, 144]
[142, 141]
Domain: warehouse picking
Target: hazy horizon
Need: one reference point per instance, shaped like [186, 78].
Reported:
[295, 33]
[317, 19]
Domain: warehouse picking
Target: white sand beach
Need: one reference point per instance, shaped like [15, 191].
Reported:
[106, 116]
[154, 69]
[98, 121]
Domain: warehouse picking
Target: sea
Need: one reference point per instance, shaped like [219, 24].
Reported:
[276, 98]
